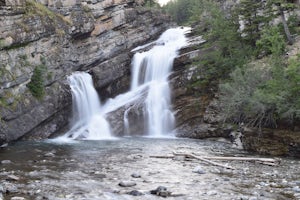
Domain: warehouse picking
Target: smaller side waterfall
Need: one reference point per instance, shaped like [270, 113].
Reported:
[87, 121]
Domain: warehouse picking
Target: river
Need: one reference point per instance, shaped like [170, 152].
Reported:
[92, 170]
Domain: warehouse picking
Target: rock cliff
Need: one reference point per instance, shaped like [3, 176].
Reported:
[41, 42]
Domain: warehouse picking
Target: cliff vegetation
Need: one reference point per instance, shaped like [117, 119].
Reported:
[252, 67]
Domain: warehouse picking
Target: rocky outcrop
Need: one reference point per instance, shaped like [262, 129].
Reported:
[59, 37]
[274, 142]
[196, 110]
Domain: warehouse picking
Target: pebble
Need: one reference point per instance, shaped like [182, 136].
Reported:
[12, 178]
[17, 198]
[212, 192]
[199, 170]
[127, 183]
[297, 183]
[50, 154]
[136, 175]
[253, 198]
[2, 189]
[5, 162]
[135, 193]
[4, 145]
[296, 189]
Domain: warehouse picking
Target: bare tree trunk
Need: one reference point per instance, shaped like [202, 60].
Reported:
[286, 28]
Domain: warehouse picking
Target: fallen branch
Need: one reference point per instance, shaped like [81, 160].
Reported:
[265, 161]
[202, 159]
[162, 157]
[268, 161]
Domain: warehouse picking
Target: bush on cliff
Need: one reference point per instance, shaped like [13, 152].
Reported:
[36, 85]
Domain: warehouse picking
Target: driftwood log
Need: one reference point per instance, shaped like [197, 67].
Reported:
[207, 159]
[202, 159]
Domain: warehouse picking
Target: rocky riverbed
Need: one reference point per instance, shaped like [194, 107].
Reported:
[124, 169]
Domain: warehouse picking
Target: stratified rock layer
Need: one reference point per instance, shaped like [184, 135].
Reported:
[61, 37]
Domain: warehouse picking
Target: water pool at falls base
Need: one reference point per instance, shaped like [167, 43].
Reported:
[93, 170]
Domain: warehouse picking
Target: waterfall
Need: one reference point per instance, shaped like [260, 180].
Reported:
[152, 68]
[87, 122]
[149, 89]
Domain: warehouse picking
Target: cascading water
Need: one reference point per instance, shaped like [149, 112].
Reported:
[149, 87]
[152, 68]
[87, 121]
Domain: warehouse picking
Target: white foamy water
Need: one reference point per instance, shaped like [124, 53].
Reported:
[152, 68]
[87, 122]
[150, 71]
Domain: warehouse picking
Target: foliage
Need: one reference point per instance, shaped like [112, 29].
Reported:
[239, 97]
[36, 85]
[252, 18]
[263, 96]
[185, 12]
[270, 42]
[151, 3]
[229, 51]
[34, 8]
[260, 93]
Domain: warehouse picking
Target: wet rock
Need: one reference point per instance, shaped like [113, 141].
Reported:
[135, 175]
[10, 188]
[161, 191]
[4, 145]
[1, 196]
[243, 198]
[127, 183]
[12, 178]
[5, 162]
[50, 154]
[135, 193]
[199, 170]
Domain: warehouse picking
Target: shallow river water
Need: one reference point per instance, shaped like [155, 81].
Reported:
[92, 170]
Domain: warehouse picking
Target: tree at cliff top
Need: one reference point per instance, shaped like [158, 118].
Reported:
[151, 3]
[280, 7]
[184, 12]
[265, 93]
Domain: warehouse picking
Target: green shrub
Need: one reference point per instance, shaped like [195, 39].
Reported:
[36, 85]
[271, 42]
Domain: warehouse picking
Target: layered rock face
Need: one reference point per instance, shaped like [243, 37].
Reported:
[43, 42]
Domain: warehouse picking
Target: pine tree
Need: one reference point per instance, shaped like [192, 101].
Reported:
[278, 7]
